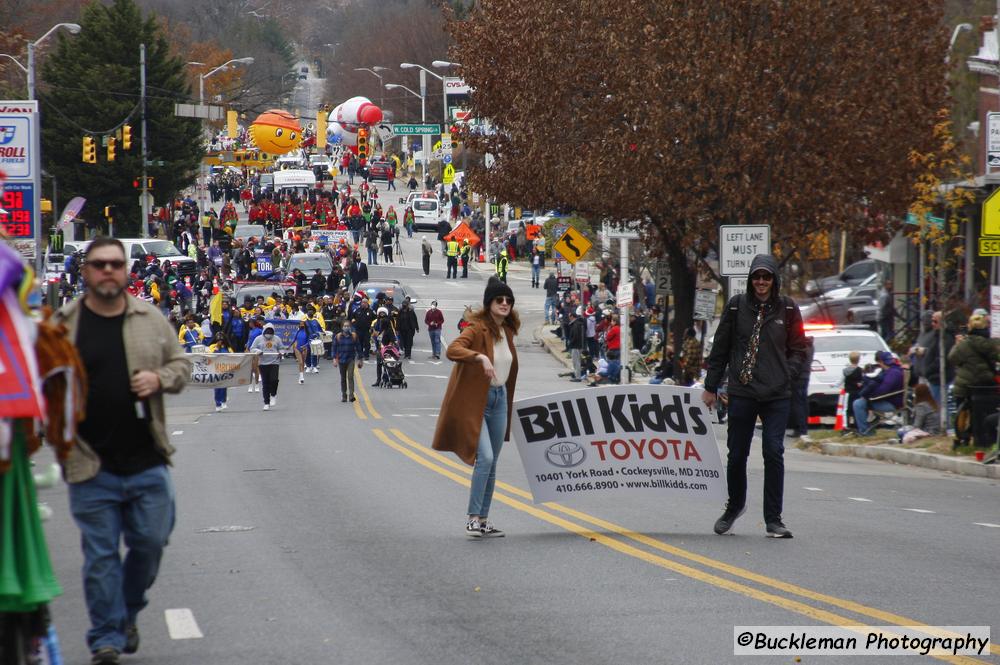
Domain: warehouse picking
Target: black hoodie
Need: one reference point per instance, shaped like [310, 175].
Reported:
[782, 350]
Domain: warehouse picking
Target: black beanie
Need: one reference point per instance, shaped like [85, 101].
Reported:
[496, 288]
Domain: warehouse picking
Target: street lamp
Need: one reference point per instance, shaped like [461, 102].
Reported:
[374, 71]
[423, 118]
[423, 84]
[202, 186]
[74, 29]
[954, 36]
[225, 65]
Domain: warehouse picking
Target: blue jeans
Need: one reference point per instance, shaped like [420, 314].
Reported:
[536, 272]
[484, 473]
[221, 396]
[861, 407]
[743, 413]
[372, 256]
[107, 507]
[435, 341]
[550, 310]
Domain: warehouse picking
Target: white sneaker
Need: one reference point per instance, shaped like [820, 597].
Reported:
[267, 407]
[274, 400]
[256, 387]
[250, 388]
[302, 378]
[218, 408]
[225, 405]
[315, 370]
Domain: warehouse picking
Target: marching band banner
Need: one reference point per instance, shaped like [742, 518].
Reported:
[220, 370]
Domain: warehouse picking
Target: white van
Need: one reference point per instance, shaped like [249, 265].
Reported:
[426, 213]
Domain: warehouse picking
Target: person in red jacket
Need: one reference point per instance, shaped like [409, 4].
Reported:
[613, 348]
[434, 319]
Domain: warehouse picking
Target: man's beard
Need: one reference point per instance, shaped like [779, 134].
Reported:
[111, 292]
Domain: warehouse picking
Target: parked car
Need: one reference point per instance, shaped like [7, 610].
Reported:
[832, 346]
[846, 305]
[380, 170]
[853, 275]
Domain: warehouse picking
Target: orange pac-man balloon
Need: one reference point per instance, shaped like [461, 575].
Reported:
[276, 131]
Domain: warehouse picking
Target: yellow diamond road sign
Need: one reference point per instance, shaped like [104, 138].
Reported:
[572, 245]
[991, 214]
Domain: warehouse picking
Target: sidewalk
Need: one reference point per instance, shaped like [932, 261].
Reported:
[878, 451]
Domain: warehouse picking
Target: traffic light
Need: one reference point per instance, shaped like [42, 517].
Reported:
[112, 143]
[89, 150]
[127, 137]
[107, 211]
[362, 143]
[137, 182]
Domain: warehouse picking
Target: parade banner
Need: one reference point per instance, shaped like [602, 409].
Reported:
[332, 236]
[641, 440]
[220, 370]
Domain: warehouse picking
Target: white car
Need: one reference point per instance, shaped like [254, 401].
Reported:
[833, 345]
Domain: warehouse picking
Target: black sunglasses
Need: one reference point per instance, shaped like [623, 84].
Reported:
[762, 277]
[114, 264]
[504, 300]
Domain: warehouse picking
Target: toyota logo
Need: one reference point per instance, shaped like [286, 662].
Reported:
[565, 454]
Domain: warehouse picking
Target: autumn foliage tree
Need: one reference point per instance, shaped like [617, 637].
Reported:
[686, 115]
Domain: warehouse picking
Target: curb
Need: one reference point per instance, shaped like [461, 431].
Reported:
[913, 458]
[540, 337]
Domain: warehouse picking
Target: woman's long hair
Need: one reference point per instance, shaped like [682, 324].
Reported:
[922, 393]
[482, 315]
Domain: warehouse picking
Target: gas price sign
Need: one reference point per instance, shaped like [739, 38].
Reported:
[16, 218]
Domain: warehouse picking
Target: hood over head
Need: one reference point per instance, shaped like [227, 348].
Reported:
[768, 263]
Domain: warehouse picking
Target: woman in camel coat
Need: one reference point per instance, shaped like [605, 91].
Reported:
[475, 415]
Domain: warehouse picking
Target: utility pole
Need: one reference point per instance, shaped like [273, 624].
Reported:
[144, 204]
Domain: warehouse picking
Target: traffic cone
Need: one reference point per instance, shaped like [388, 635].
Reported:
[838, 424]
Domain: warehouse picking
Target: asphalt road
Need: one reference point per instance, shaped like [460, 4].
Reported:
[322, 532]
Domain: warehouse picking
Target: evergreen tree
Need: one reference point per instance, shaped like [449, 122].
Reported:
[91, 86]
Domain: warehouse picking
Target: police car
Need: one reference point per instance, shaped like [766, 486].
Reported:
[833, 345]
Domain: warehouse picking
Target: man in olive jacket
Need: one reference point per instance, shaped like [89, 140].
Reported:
[119, 485]
[761, 340]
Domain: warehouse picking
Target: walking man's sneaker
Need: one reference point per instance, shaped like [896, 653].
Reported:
[729, 516]
[105, 656]
[131, 639]
[777, 530]
[473, 529]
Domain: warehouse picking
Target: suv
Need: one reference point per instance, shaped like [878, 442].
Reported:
[140, 248]
[832, 347]
[426, 213]
[853, 275]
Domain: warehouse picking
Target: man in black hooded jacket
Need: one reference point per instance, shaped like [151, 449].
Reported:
[760, 340]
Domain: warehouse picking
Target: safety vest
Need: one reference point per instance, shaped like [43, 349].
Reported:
[452, 248]
[502, 266]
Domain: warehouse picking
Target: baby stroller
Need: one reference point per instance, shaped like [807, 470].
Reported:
[392, 368]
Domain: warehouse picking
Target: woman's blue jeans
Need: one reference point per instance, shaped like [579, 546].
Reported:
[484, 473]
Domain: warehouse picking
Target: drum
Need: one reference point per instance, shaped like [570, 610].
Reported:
[199, 348]
[316, 347]
[326, 336]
